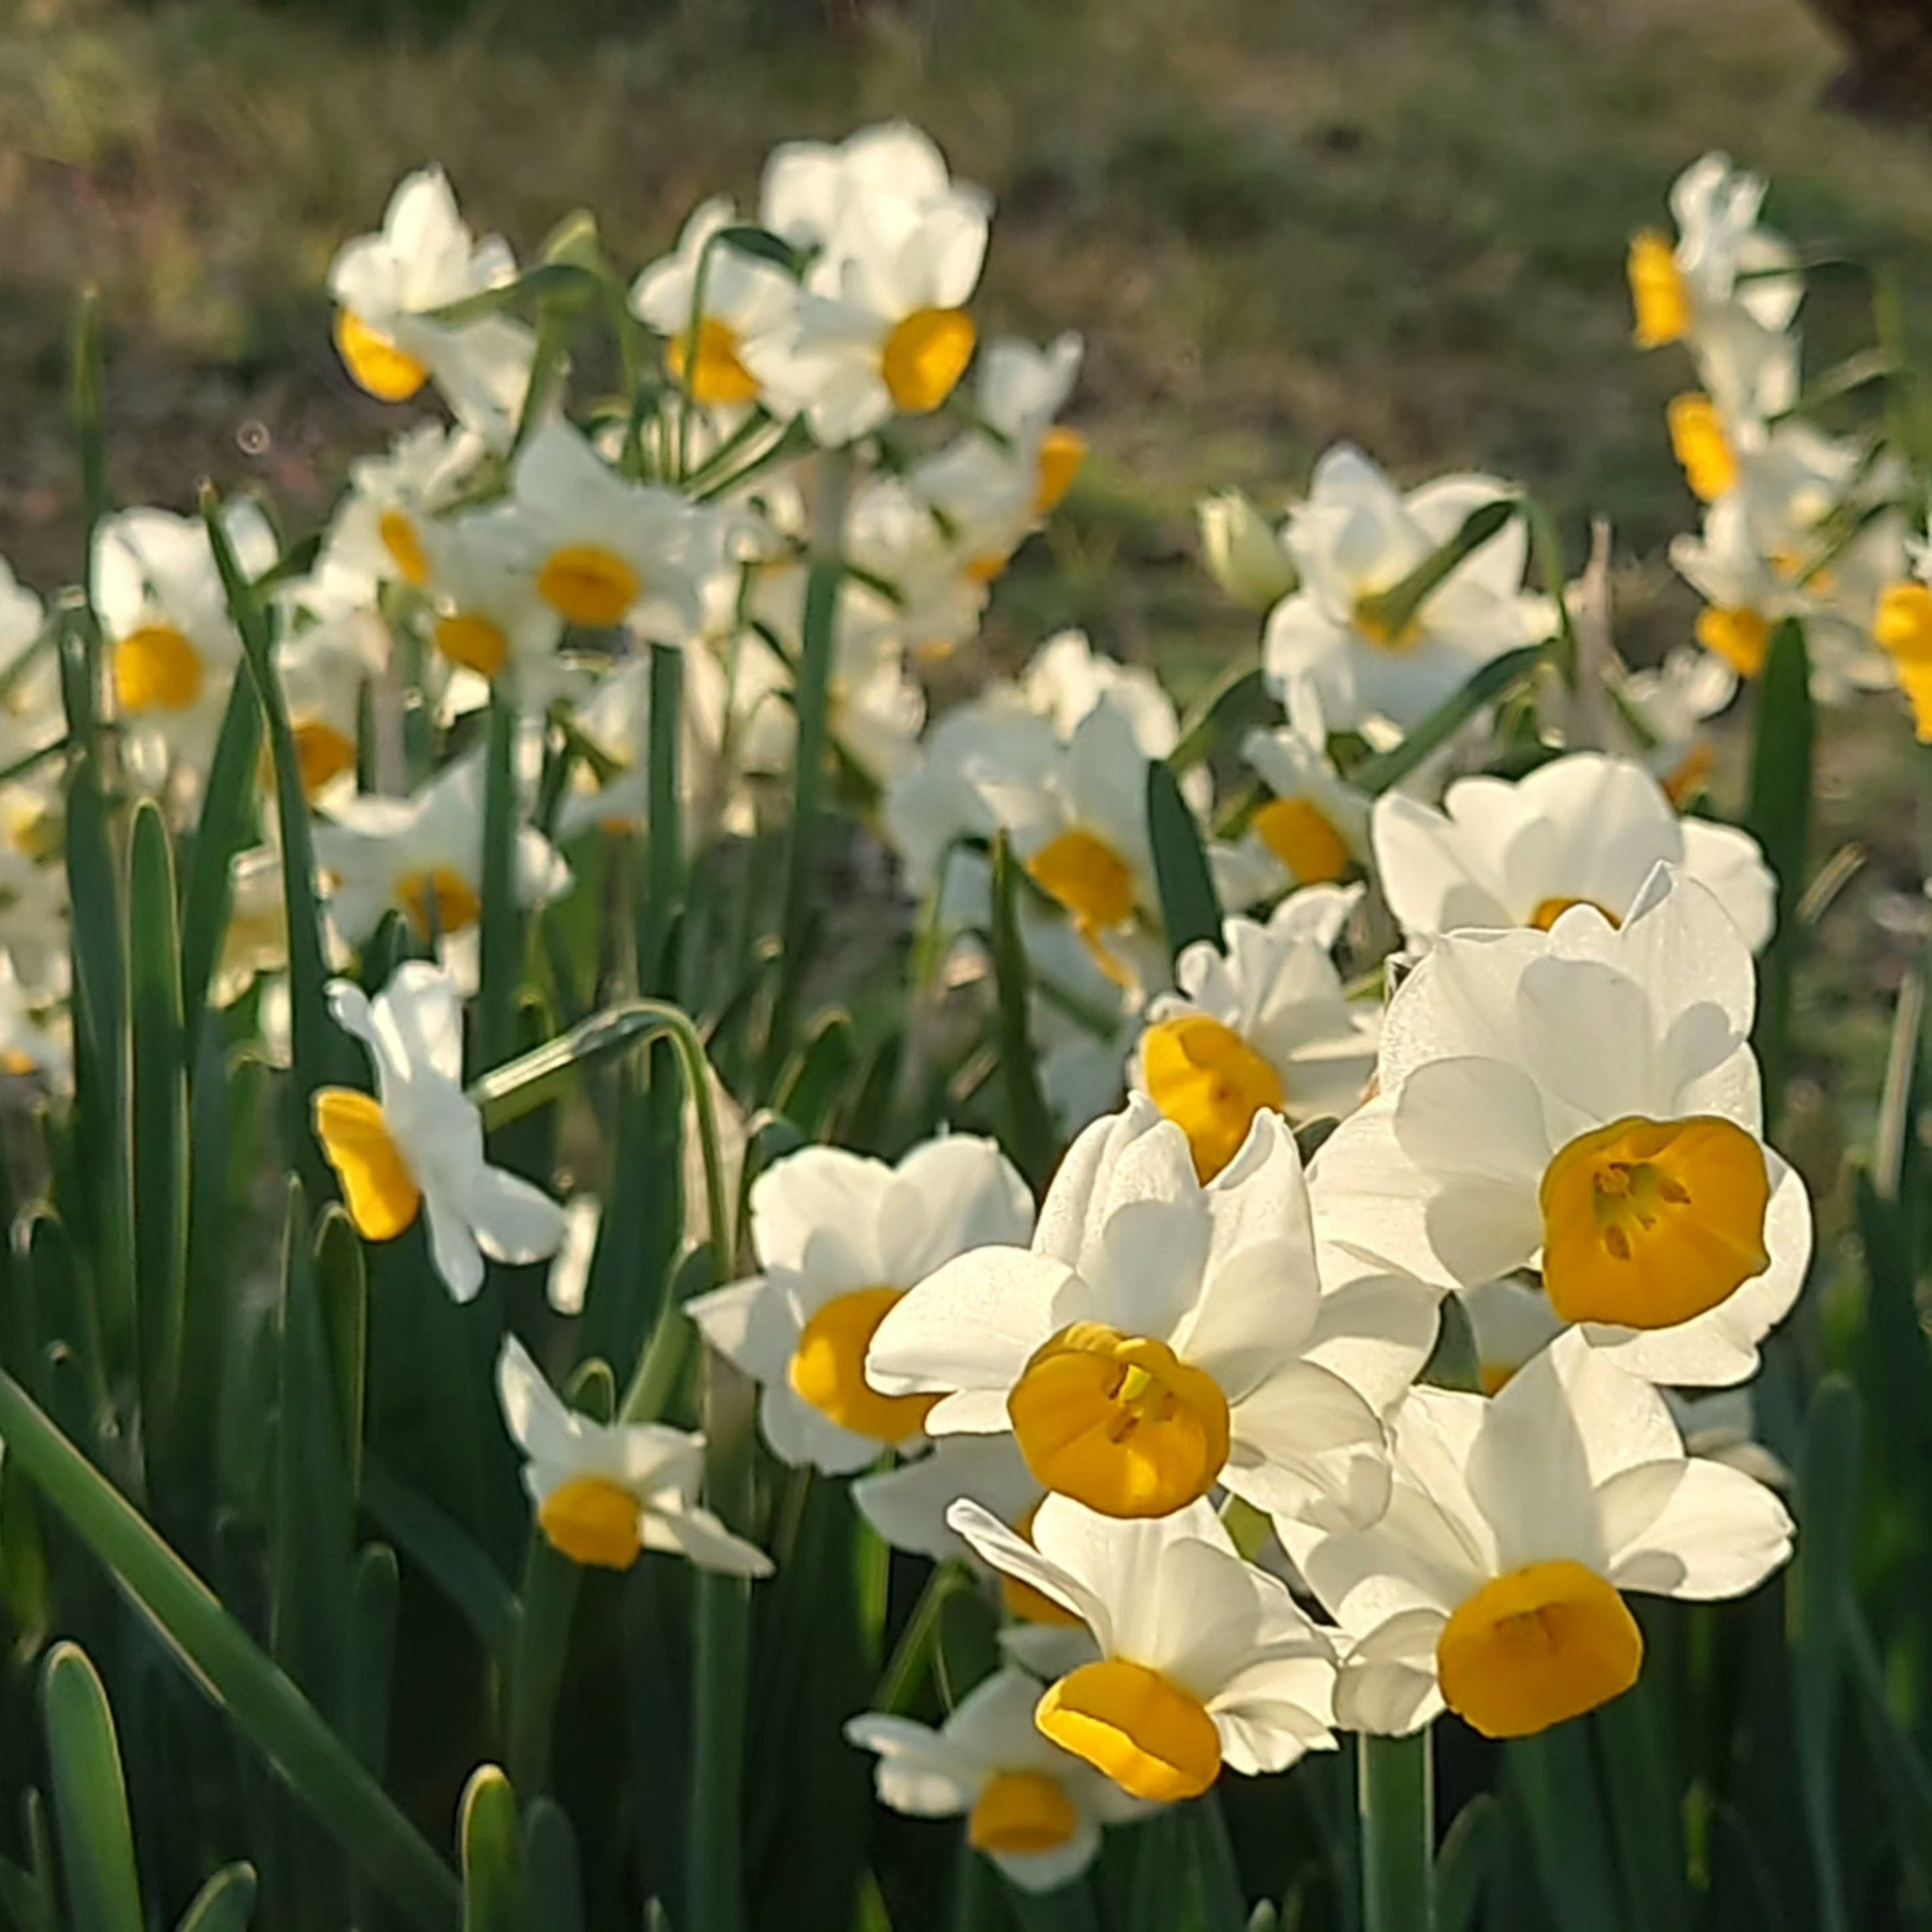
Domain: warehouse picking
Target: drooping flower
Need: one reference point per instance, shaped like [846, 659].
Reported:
[1584, 830]
[1585, 1101]
[1035, 1810]
[840, 1238]
[606, 1492]
[1494, 1584]
[1158, 1338]
[416, 1147]
[1205, 1659]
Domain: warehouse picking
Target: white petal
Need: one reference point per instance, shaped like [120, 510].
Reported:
[698, 1536]
[1715, 1532]
[973, 1324]
[514, 1221]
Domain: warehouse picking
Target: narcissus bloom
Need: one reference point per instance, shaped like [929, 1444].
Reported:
[605, 1493]
[387, 285]
[1356, 537]
[1310, 830]
[841, 1237]
[415, 1147]
[1204, 1660]
[1494, 1584]
[1674, 702]
[1586, 1101]
[1158, 1338]
[1034, 1810]
[423, 855]
[1260, 1024]
[1582, 830]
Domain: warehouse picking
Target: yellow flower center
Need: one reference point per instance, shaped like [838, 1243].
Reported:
[1024, 1603]
[1902, 628]
[1087, 876]
[1207, 1079]
[829, 1369]
[1062, 451]
[1119, 1422]
[438, 900]
[404, 546]
[323, 753]
[156, 669]
[473, 642]
[589, 585]
[717, 375]
[1692, 775]
[1550, 910]
[1370, 619]
[377, 1180]
[1153, 1739]
[1535, 1647]
[17, 1061]
[1646, 1223]
[377, 365]
[592, 1521]
[1737, 634]
[924, 356]
[1698, 441]
[1302, 837]
[1022, 1813]
[987, 568]
[1657, 291]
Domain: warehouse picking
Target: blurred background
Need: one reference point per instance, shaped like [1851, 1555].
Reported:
[1275, 222]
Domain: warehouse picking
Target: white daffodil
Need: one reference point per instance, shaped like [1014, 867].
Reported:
[1243, 554]
[1034, 1810]
[322, 667]
[1902, 629]
[736, 297]
[1582, 830]
[1586, 1101]
[34, 1040]
[171, 646]
[907, 1505]
[606, 1493]
[416, 1147]
[880, 326]
[387, 286]
[604, 548]
[1309, 831]
[1260, 1024]
[1493, 1585]
[379, 533]
[1157, 1338]
[1672, 703]
[1205, 1659]
[1356, 537]
[840, 1238]
[423, 855]
[487, 614]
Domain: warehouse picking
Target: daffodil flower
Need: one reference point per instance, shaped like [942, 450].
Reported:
[1584, 1101]
[605, 1493]
[1205, 1659]
[1582, 830]
[1158, 1339]
[840, 1238]
[416, 1147]
[1494, 1584]
[1035, 1810]
[1310, 830]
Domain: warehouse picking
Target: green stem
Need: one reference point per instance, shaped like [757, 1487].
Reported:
[1397, 1804]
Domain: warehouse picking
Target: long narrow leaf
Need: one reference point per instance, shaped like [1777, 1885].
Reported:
[1189, 909]
[97, 1841]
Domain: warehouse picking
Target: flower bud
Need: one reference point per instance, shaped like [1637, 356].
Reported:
[1243, 555]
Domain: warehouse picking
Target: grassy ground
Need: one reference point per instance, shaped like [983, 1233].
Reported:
[1276, 222]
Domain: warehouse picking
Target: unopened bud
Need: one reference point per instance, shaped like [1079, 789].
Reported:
[1243, 555]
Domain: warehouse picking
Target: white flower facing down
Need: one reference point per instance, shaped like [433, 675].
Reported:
[416, 1147]
[1582, 830]
[1159, 1337]
[1356, 537]
[1034, 1810]
[1205, 1659]
[1586, 1101]
[1493, 1585]
[605, 1493]
[425, 259]
[1260, 1024]
[1309, 830]
[841, 1237]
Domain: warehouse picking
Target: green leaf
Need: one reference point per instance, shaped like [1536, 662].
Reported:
[493, 1040]
[1189, 910]
[1555, 1784]
[96, 1842]
[547, 281]
[491, 1900]
[1494, 682]
[342, 1290]
[1238, 703]
[1646, 1807]
[1030, 1138]
[369, 1655]
[1455, 1362]
[90, 433]
[1827, 1480]
[664, 885]
[1779, 816]
[226, 1903]
[1398, 1811]
[321, 1770]
[810, 1086]
[226, 828]
[445, 1553]
[208, 1304]
[762, 243]
[552, 1869]
[1464, 1863]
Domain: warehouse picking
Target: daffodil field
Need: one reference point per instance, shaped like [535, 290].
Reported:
[677, 1262]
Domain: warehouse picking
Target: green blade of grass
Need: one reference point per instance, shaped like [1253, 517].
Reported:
[1031, 1139]
[226, 827]
[96, 1840]
[1189, 910]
